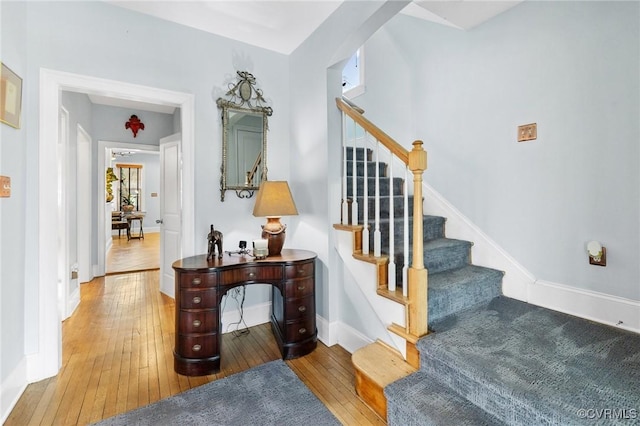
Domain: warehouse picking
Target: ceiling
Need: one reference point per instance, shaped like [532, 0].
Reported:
[281, 26]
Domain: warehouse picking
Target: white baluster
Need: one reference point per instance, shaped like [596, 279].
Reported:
[365, 207]
[345, 206]
[376, 233]
[354, 180]
[392, 262]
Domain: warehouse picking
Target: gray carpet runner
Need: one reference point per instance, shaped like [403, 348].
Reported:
[491, 360]
[519, 364]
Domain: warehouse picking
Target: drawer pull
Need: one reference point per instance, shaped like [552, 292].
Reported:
[302, 308]
[197, 323]
[252, 274]
[196, 348]
[300, 287]
[197, 299]
[302, 330]
[196, 281]
[300, 271]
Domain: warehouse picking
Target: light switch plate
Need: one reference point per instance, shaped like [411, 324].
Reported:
[5, 187]
[527, 132]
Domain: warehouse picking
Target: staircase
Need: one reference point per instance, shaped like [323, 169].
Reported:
[486, 359]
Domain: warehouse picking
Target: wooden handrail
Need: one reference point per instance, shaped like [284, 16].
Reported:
[386, 140]
[251, 173]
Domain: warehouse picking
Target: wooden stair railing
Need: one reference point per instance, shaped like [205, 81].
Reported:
[251, 173]
[414, 292]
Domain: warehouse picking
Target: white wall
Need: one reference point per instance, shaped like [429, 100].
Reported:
[571, 67]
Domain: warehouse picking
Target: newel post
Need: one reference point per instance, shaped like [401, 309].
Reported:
[417, 274]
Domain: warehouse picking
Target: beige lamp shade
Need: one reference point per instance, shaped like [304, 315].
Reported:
[274, 200]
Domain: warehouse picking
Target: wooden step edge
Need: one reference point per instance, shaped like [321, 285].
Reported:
[370, 258]
[350, 228]
[395, 295]
[377, 365]
[404, 333]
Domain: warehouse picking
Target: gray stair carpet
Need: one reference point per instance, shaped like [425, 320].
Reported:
[523, 365]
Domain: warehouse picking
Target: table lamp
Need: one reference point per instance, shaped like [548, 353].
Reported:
[273, 201]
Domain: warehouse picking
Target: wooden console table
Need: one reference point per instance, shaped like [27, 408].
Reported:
[201, 283]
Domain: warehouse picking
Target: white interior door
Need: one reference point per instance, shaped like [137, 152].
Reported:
[170, 210]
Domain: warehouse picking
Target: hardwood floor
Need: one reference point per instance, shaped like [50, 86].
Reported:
[118, 355]
[135, 254]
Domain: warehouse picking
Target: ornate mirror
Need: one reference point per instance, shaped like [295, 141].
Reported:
[244, 137]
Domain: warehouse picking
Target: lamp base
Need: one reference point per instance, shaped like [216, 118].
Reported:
[274, 233]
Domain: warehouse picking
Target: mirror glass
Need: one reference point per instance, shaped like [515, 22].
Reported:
[244, 137]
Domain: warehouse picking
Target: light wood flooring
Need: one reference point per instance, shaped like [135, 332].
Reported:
[134, 255]
[117, 356]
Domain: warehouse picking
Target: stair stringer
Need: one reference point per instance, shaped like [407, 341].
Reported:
[485, 252]
[366, 279]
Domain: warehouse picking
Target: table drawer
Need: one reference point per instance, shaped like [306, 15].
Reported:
[300, 308]
[199, 346]
[300, 330]
[198, 299]
[302, 270]
[298, 288]
[200, 321]
[251, 274]
[198, 280]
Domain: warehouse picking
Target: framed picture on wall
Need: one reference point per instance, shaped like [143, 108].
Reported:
[10, 97]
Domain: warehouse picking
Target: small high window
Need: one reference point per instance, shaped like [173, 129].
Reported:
[353, 75]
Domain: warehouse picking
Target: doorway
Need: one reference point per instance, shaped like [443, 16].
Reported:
[47, 329]
[132, 245]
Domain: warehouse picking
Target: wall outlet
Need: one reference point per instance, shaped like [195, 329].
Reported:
[527, 132]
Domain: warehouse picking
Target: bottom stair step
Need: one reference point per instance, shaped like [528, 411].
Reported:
[376, 365]
[420, 399]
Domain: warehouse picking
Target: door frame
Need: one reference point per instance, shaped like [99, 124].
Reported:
[46, 362]
[102, 220]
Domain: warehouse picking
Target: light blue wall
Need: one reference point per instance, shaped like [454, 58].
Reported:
[102, 40]
[571, 67]
[12, 210]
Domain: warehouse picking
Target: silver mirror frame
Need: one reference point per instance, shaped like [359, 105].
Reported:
[243, 96]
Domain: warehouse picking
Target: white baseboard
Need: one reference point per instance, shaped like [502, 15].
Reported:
[603, 308]
[253, 315]
[12, 388]
[350, 338]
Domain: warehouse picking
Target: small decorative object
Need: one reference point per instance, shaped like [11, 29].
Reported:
[260, 249]
[215, 241]
[134, 124]
[110, 178]
[10, 97]
[273, 201]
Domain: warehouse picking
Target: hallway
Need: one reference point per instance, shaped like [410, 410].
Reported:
[134, 255]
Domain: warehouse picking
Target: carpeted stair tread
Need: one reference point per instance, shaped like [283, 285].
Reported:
[458, 289]
[529, 365]
[419, 399]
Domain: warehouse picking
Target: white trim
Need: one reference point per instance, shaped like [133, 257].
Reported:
[12, 388]
[252, 316]
[603, 308]
[350, 338]
[485, 251]
[104, 227]
[48, 360]
[83, 205]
